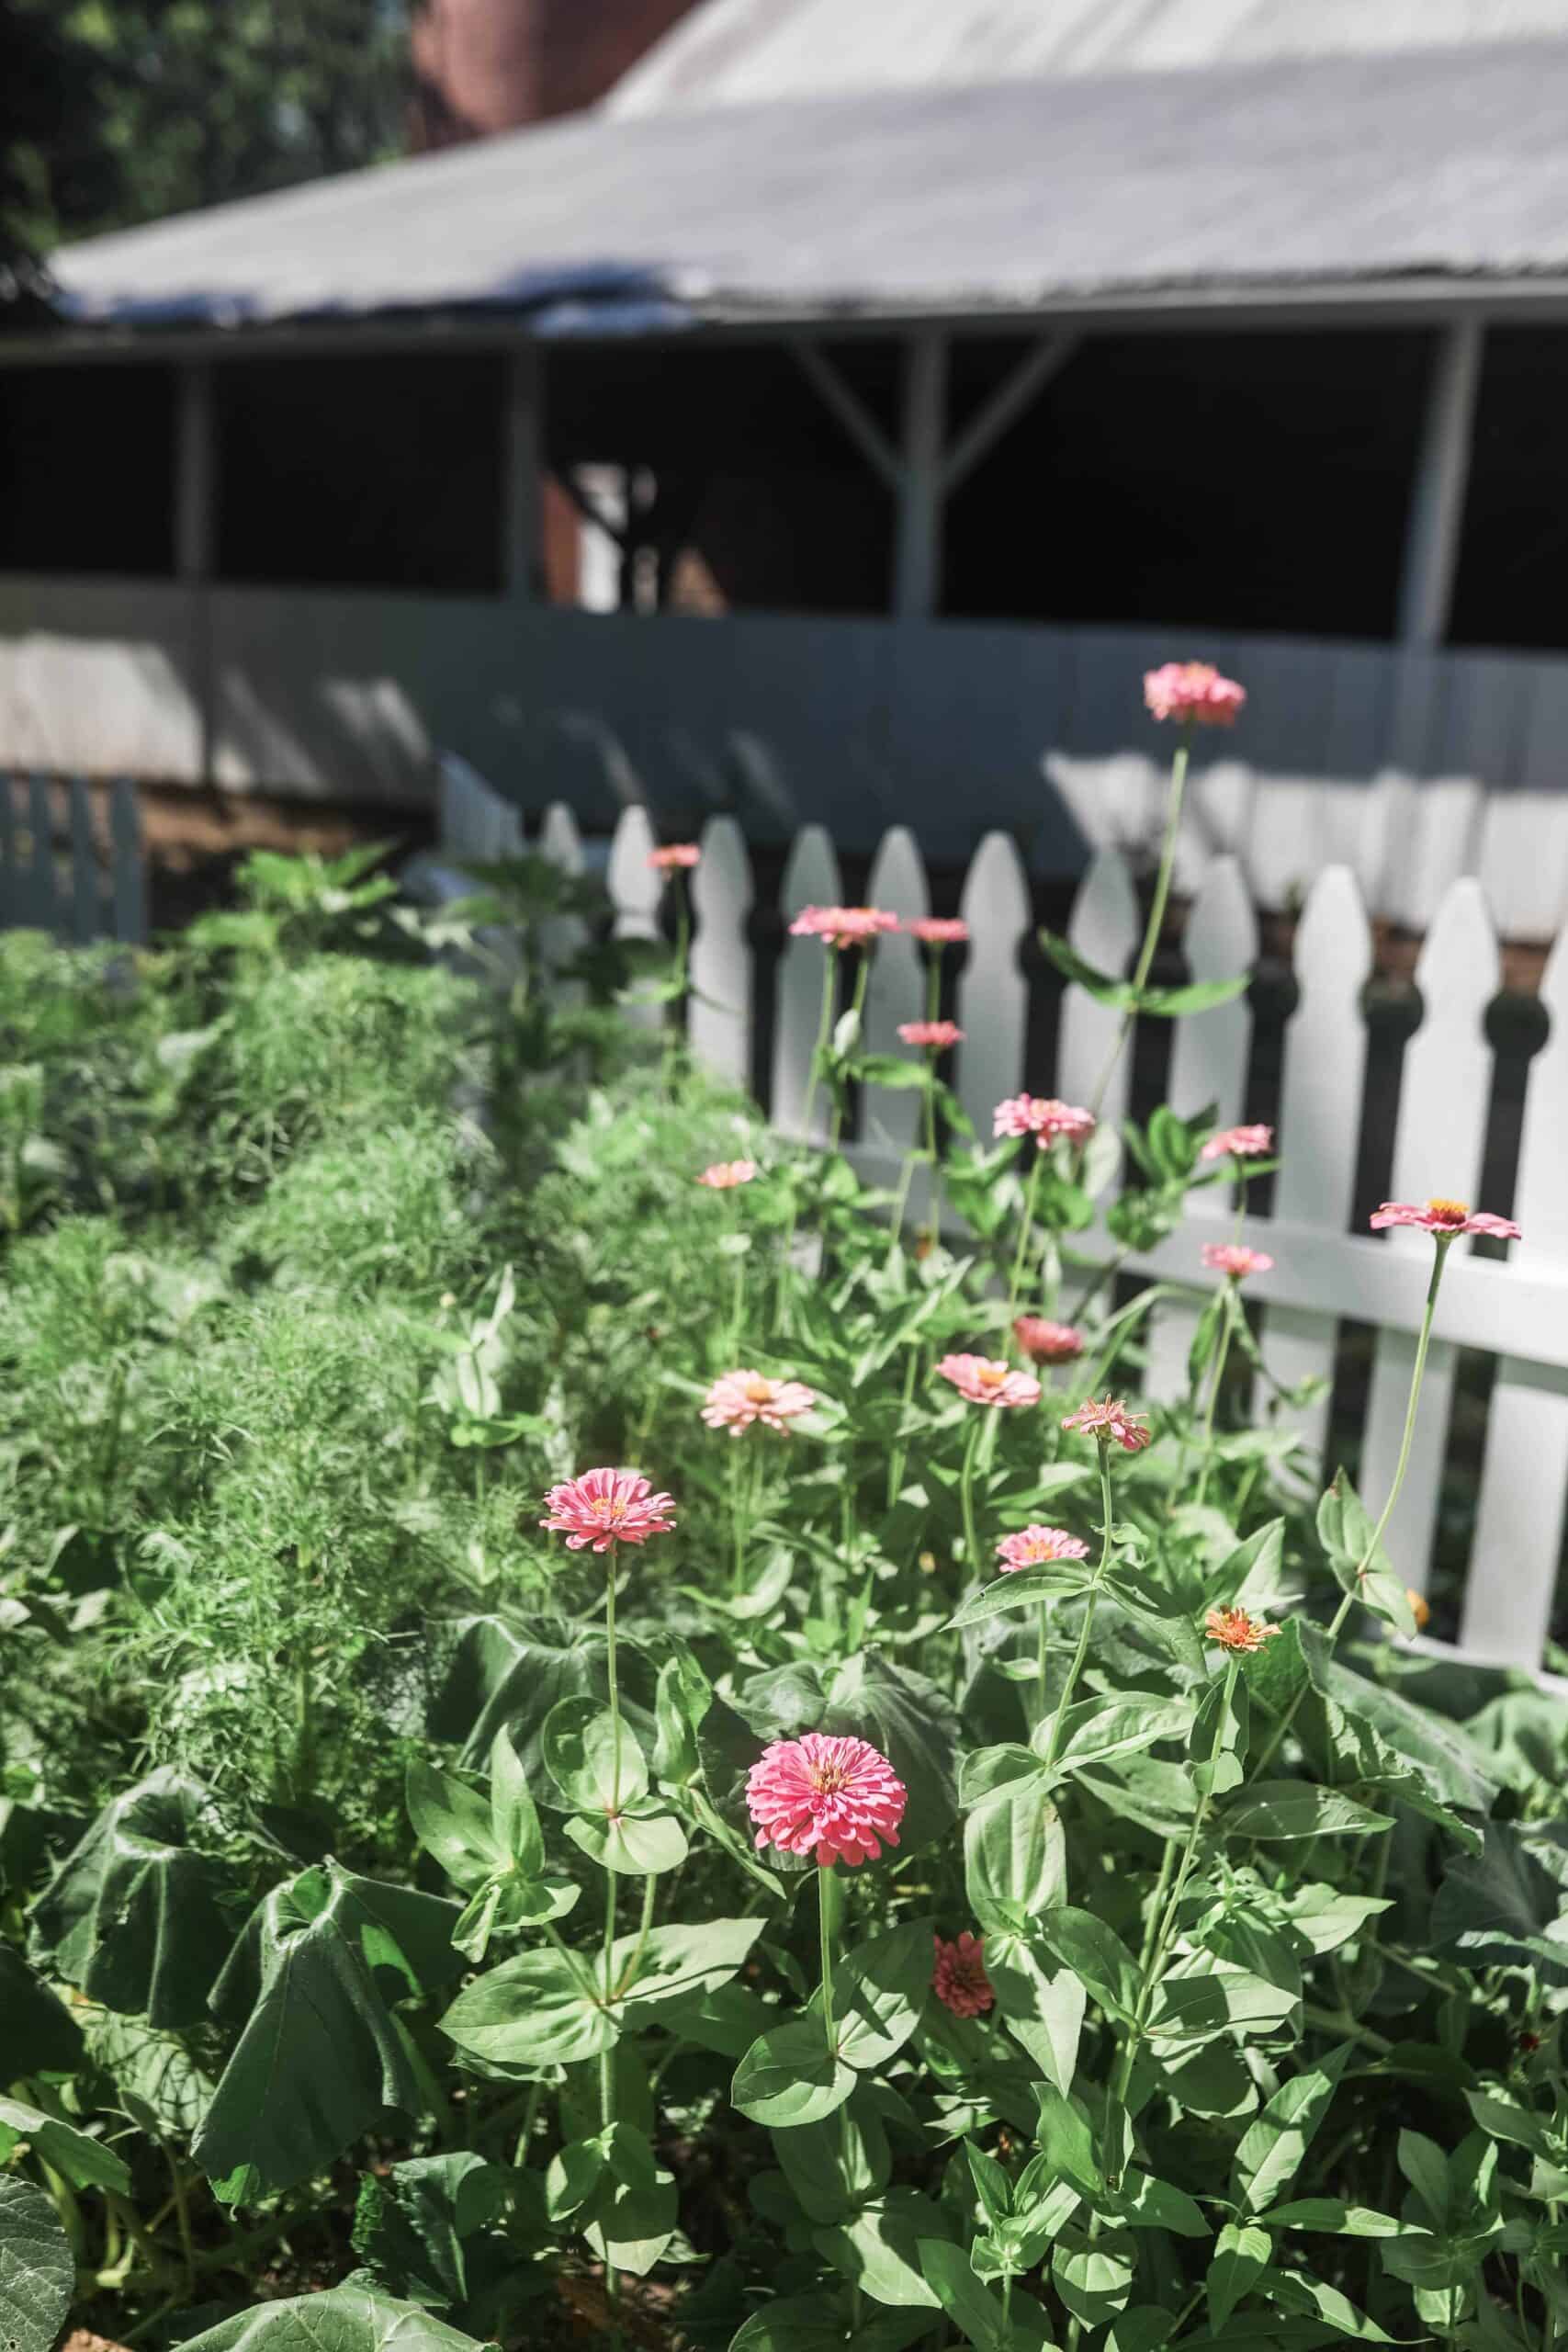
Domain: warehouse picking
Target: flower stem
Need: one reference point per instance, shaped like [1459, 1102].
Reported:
[899, 1450]
[1218, 1382]
[1090, 1603]
[966, 1493]
[1041, 1645]
[818, 1055]
[824, 1908]
[1336, 1623]
[1024, 1231]
[1157, 916]
[857, 1005]
[934, 1227]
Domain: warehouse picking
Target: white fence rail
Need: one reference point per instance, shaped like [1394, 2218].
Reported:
[70, 863]
[1516, 1310]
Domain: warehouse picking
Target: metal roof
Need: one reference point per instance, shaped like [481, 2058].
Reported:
[1024, 198]
[728, 52]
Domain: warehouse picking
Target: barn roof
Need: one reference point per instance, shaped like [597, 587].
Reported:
[1027, 196]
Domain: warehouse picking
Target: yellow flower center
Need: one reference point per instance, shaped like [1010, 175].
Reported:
[991, 1376]
[1448, 1212]
[827, 1779]
[758, 1390]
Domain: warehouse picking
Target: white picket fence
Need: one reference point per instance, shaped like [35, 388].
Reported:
[1517, 1309]
[68, 867]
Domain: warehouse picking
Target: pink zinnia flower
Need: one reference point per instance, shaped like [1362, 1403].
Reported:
[1109, 1423]
[1447, 1220]
[959, 1979]
[835, 1798]
[842, 926]
[1234, 1258]
[605, 1507]
[1235, 1630]
[937, 1035]
[725, 1174]
[1239, 1143]
[678, 854]
[983, 1381]
[738, 1398]
[1042, 1117]
[1032, 1545]
[939, 931]
[1192, 690]
[1043, 1341]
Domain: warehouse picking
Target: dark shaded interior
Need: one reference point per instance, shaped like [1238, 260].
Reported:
[1511, 588]
[87, 470]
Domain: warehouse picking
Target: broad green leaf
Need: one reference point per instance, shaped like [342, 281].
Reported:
[1015, 1857]
[1458, 1772]
[636, 1844]
[315, 1979]
[1093, 2276]
[413, 2224]
[37, 2033]
[837, 2163]
[973, 2308]
[1282, 1809]
[1351, 1752]
[1066, 2142]
[1241, 2252]
[1505, 2120]
[344, 2319]
[879, 2251]
[1300, 2292]
[452, 1822]
[1270, 2151]
[1023, 1589]
[679, 1964]
[1104, 987]
[592, 1757]
[820, 2324]
[1041, 2005]
[790, 2076]
[633, 2216]
[499, 1679]
[1096, 1729]
[1334, 2218]
[1426, 2167]
[1502, 1907]
[150, 2067]
[917, 1728]
[879, 1990]
[38, 2270]
[1193, 996]
[543, 2008]
[132, 1915]
[1192, 2005]
[85, 2162]
[1094, 1952]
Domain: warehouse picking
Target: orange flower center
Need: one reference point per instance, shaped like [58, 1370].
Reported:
[991, 1376]
[758, 1390]
[1448, 1212]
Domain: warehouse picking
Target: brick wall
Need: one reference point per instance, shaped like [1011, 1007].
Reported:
[483, 66]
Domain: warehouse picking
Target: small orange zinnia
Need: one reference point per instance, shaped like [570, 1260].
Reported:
[1109, 1423]
[983, 1380]
[1235, 1630]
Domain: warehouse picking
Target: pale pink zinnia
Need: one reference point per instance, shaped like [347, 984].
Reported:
[842, 926]
[936, 1035]
[1032, 1545]
[1109, 1423]
[959, 1978]
[939, 931]
[835, 1798]
[1234, 1258]
[1043, 1341]
[1192, 690]
[1239, 1143]
[738, 1398]
[1235, 1630]
[985, 1381]
[725, 1174]
[1447, 1220]
[1041, 1116]
[605, 1507]
[678, 854]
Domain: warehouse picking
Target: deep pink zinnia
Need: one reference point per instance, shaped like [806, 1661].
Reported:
[1032, 1545]
[1447, 1220]
[1234, 1258]
[936, 1035]
[835, 1798]
[1192, 690]
[959, 1978]
[1109, 1423]
[939, 931]
[725, 1174]
[605, 1507]
[1239, 1143]
[1043, 1341]
[842, 926]
[678, 854]
[1041, 1116]
[985, 1381]
[738, 1398]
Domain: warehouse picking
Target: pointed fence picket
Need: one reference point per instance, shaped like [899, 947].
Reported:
[1517, 1310]
[897, 990]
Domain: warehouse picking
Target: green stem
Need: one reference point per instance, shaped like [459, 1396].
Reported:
[1336, 1623]
[818, 1055]
[607, 2057]
[1041, 1651]
[1025, 1229]
[1215, 1387]
[1090, 1603]
[934, 1224]
[825, 1904]
[840, 1089]
[965, 1491]
[1156, 917]
[899, 1450]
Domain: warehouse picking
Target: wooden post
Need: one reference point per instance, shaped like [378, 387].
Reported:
[521, 552]
[1436, 508]
[917, 566]
[195, 543]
